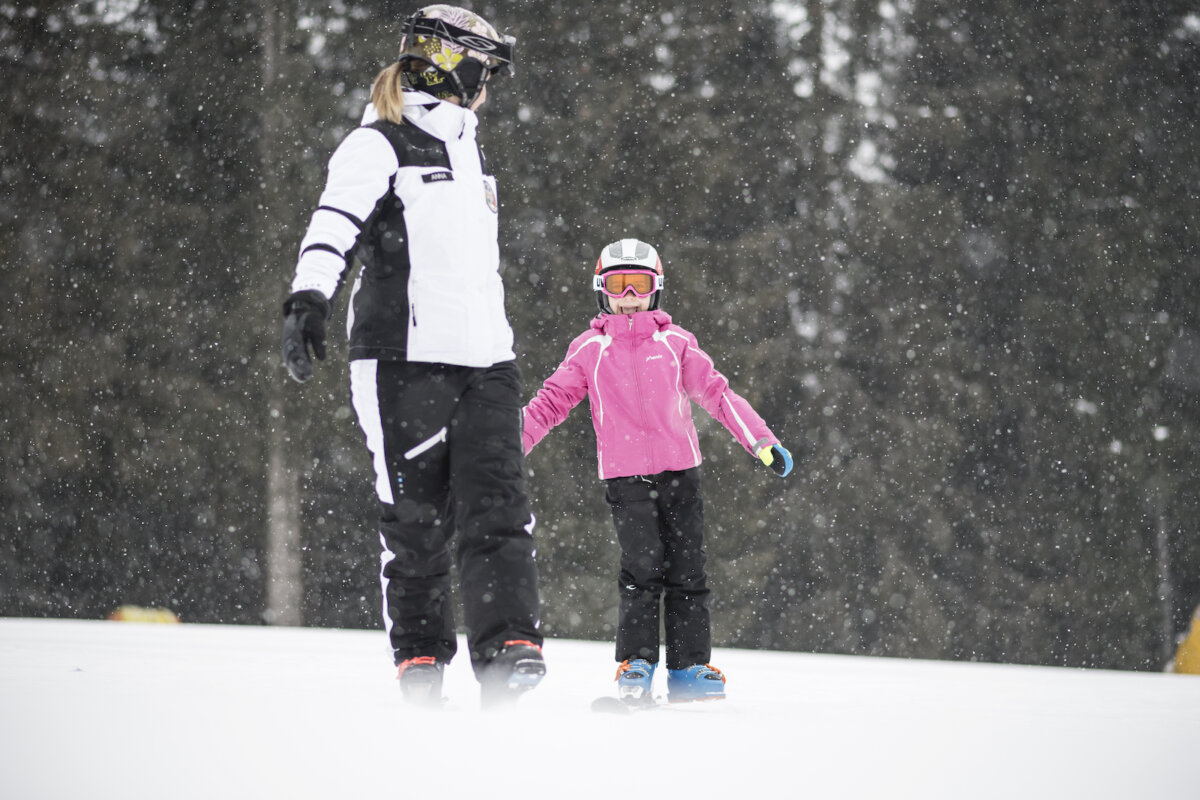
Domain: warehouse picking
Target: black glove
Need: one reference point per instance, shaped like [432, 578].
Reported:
[304, 315]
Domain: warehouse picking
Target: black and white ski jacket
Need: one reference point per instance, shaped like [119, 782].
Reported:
[417, 206]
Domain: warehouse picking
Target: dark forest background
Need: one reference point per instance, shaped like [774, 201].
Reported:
[948, 250]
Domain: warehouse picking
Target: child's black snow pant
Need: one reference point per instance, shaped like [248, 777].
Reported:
[660, 526]
[446, 444]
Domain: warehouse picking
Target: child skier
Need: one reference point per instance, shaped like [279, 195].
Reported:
[639, 371]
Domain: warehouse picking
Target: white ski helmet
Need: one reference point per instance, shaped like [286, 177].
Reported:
[460, 48]
[627, 256]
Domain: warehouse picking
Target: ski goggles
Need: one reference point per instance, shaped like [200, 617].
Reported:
[619, 283]
[499, 54]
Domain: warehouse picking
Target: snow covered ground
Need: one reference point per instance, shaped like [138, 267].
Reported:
[124, 710]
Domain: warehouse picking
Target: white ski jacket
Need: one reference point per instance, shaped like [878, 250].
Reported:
[416, 204]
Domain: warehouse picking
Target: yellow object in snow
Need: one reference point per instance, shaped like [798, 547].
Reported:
[140, 614]
[766, 456]
[1187, 657]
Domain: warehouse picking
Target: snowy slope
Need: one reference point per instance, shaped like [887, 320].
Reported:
[122, 710]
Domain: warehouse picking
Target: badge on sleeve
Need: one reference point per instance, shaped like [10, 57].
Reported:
[489, 194]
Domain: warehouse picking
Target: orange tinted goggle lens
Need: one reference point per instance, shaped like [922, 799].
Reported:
[617, 284]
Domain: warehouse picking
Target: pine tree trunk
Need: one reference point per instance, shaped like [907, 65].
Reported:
[284, 589]
[1166, 593]
[284, 586]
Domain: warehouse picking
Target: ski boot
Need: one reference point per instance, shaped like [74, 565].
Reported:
[421, 681]
[697, 682]
[516, 669]
[634, 679]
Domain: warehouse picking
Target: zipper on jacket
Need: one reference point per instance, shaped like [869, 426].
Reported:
[412, 302]
[637, 385]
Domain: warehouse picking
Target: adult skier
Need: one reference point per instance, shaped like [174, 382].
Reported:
[432, 373]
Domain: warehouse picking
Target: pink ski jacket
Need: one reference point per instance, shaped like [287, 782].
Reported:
[639, 372]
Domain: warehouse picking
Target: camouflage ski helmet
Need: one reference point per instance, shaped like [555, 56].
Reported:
[460, 48]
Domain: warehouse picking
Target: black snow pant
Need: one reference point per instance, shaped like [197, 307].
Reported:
[660, 527]
[446, 444]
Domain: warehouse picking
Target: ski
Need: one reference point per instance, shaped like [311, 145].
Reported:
[615, 705]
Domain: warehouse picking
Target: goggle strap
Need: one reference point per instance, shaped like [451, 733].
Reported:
[440, 29]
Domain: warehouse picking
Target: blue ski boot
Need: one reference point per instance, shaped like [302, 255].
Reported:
[634, 679]
[697, 682]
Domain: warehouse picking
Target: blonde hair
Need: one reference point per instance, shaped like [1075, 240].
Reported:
[387, 93]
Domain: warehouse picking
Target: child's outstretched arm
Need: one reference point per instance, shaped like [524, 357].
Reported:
[561, 392]
[706, 386]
